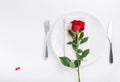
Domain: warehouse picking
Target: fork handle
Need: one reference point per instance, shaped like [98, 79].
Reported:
[46, 51]
[111, 54]
[45, 48]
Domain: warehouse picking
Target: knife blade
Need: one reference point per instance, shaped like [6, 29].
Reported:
[109, 36]
[109, 31]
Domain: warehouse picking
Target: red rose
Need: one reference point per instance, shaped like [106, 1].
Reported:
[77, 25]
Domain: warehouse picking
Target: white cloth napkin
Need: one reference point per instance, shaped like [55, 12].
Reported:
[69, 52]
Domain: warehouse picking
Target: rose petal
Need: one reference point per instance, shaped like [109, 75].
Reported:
[77, 25]
[17, 68]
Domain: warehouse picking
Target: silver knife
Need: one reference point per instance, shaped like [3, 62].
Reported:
[46, 28]
[109, 36]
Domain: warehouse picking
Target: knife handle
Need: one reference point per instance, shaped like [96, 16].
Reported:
[111, 54]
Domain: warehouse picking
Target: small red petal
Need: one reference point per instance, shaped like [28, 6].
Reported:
[17, 68]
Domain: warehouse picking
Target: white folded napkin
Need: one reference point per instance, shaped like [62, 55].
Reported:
[69, 52]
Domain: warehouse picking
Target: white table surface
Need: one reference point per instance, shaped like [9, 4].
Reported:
[22, 38]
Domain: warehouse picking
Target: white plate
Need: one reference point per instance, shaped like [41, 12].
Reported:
[97, 38]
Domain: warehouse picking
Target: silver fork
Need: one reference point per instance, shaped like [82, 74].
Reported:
[46, 28]
[109, 37]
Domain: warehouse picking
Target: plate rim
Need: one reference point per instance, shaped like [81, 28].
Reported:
[63, 16]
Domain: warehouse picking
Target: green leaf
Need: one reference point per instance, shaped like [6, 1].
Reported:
[85, 53]
[79, 57]
[76, 36]
[81, 35]
[74, 46]
[75, 63]
[65, 61]
[84, 40]
[74, 41]
[71, 33]
[70, 43]
[79, 51]
[72, 64]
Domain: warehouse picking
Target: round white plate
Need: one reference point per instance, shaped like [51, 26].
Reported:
[97, 38]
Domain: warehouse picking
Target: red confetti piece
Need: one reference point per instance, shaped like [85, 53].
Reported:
[17, 68]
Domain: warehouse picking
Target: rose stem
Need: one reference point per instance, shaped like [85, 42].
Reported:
[77, 33]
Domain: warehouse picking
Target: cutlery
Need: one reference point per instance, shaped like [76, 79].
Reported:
[109, 37]
[46, 28]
